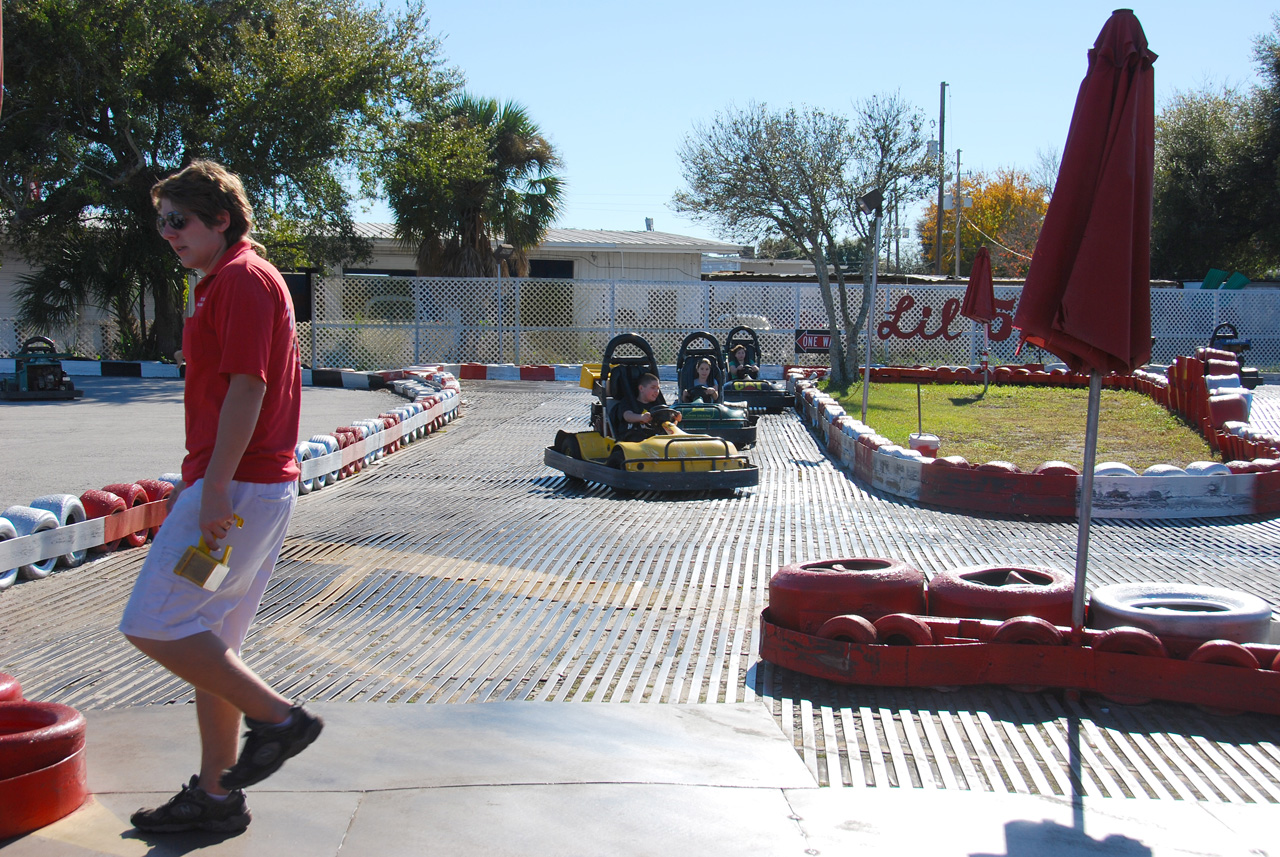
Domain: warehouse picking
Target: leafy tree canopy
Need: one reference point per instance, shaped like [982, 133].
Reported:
[104, 97]
[1008, 210]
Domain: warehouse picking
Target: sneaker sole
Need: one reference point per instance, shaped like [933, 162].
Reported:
[227, 781]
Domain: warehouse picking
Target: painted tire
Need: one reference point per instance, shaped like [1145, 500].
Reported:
[1129, 641]
[68, 509]
[9, 576]
[35, 735]
[1182, 610]
[174, 479]
[10, 690]
[903, 629]
[330, 444]
[27, 522]
[99, 504]
[803, 596]
[1028, 630]
[157, 489]
[850, 628]
[1002, 592]
[132, 494]
[302, 453]
[1227, 653]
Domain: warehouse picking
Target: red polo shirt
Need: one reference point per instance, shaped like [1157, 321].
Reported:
[242, 325]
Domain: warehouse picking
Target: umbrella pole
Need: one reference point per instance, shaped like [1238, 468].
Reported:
[986, 356]
[1086, 498]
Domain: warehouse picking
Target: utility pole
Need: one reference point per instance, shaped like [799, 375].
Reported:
[959, 203]
[942, 174]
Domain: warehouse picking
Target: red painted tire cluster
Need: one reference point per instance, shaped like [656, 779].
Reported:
[803, 596]
[42, 761]
[1003, 592]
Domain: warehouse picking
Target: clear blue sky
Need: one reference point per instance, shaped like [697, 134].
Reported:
[617, 87]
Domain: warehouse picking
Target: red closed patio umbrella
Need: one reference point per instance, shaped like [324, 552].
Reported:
[1087, 297]
[979, 303]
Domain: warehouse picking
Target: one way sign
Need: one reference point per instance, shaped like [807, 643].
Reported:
[813, 341]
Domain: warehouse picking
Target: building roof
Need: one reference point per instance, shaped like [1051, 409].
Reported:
[638, 241]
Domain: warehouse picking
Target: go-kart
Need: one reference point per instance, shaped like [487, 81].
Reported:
[760, 396]
[727, 419]
[670, 460]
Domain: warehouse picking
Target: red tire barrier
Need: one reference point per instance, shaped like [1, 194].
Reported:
[1028, 630]
[1228, 653]
[42, 765]
[803, 596]
[133, 495]
[1002, 592]
[99, 504]
[156, 490]
[1000, 467]
[850, 628]
[10, 690]
[1127, 640]
[903, 629]
[1056, 468]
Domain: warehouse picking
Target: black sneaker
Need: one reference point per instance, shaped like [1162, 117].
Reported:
[193, 809]
[268, 745]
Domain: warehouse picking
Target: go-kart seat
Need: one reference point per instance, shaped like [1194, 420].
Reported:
[624, 395]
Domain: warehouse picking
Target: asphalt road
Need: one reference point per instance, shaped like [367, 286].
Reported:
[125, 429]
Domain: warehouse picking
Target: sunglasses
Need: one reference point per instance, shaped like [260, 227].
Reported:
[175, 220]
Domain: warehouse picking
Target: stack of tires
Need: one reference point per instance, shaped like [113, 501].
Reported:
[42, 761]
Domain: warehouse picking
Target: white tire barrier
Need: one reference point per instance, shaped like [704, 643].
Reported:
[1114, 468]
[26, 522]
[1164, 470]
[330, 444]
[9, 576]
[68, 509]
[1182, 610]
[174, 479]
[302, 453]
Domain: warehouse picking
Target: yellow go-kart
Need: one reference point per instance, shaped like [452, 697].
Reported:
[670, 460]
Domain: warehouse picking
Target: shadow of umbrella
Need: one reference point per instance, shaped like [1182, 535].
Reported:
[1087, 297]
[980, 305]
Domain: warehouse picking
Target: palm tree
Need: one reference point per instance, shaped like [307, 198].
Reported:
[480, 173]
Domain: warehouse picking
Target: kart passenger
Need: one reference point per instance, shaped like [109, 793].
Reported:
[703, 387]
[642, 423]
[739, 368]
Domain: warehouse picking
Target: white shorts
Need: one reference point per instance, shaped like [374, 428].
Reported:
[164, 606]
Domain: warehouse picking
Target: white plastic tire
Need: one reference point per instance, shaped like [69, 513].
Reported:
[27, 522]
[9, 576]
[1182, 610]
[68, 509]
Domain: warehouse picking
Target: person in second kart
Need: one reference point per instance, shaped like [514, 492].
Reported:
[703, 387]
[651, 414]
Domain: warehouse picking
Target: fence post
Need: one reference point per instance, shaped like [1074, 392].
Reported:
[519, 323]
[613, 307]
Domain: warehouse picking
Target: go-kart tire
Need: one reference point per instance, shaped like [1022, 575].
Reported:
[68, 509]
[802, 596]
[850, 628]
[10, 690]
[567, 445]
[903, 629]
[617, 458]
[1227, 653]
[8, 577]
[99, 504]
[27, 522]
[1126, 640]
[132, 494]
[1002, 592]
[35, 735]
[1182, 610]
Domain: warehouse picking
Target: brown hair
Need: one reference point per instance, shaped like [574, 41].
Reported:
[206, 189]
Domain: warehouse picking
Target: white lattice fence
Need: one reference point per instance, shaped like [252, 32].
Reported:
[368, 322]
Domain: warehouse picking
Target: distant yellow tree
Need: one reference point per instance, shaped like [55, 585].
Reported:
[1008, 207]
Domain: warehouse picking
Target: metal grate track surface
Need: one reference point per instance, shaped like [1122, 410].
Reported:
[463, 570]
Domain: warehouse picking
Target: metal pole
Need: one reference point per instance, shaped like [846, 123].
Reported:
[942, 173]
[502, 348]
[1086, 498]
[875, 262]
[956, 200]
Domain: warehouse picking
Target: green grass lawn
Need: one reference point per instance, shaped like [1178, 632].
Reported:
[1029, 425]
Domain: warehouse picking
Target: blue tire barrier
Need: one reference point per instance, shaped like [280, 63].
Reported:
[174, 479]
[9, 576]
[1182, 610]
[27, 522]
[68, 509]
